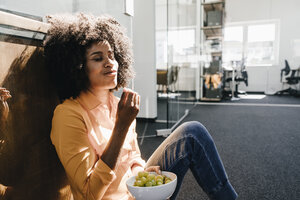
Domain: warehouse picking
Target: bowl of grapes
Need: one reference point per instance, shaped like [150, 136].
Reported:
[152, 186]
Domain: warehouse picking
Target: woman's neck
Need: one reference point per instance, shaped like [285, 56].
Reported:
[102, 95]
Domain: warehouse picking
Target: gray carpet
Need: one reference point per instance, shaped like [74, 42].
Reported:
[259, 146]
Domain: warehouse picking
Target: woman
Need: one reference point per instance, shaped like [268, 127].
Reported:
[93, 132]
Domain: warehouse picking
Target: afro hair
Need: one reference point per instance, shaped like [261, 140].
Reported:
[67, 40]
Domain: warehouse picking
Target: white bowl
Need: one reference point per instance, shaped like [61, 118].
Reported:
[161, 192]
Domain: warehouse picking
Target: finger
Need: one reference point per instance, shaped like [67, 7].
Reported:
[5, 97]
[5, 110]
[157, 169]
[149, 169]
[135, 99]
[138, 100]
[153, 169]
[129, 98]
[6, 92]
[6, 107]
[124, 96]
[134, 102]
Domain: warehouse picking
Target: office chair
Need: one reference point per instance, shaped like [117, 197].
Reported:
[241, 76]
[172, 77]
[290, 80]
[167, 78]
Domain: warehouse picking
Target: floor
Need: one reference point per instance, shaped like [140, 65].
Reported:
[258, 139]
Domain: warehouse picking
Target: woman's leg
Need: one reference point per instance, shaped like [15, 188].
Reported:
[190, 146]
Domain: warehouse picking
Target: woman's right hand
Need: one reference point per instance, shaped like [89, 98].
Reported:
[128, 108]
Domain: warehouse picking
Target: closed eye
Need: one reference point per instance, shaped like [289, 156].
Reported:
[98, 59]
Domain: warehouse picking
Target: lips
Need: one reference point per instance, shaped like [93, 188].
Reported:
[111, 73]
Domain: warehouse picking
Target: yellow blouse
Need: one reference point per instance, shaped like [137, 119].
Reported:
[81, 128]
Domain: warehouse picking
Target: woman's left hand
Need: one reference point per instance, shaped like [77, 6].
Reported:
[153, 169]
[4, 94]
[4, 109]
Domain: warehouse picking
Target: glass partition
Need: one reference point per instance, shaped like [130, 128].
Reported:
[177, 58]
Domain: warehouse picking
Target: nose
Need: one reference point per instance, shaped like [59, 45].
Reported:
[109, 63]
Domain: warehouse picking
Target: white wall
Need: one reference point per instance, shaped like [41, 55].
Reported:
[144, 56]
[267, 79]
[40, 8]
[186, 79]
[37, 7]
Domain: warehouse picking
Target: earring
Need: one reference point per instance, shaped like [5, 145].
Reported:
[80, 66]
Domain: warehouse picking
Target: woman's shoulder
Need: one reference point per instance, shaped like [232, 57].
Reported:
[69, 105]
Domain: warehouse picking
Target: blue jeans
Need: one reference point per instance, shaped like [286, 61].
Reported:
[190, 146]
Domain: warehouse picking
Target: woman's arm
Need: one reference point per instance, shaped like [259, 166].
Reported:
[128, 109]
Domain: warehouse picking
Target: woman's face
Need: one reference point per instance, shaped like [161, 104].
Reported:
[102, 68]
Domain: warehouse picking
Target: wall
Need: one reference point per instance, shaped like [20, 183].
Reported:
[114, 8]
[144, 56]
[44, 7]
[267, 79]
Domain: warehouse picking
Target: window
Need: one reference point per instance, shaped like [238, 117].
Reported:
[182, 41]
[180, 44]
[233, 44]
[255, 42]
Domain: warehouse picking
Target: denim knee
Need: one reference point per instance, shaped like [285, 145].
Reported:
[197, 131]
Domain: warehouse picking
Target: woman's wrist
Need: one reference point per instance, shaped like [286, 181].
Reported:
[121, 128]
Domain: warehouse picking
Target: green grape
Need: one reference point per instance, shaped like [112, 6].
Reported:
[167, 181]
[146, 174]
[159, 177]
[139, 183]
[149, 184]
[159, 180]
[140, 174]
[150, 177]
[144, 179]
[153, 182]
[159, 183]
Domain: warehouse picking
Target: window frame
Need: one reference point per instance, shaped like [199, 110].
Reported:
[245, 25]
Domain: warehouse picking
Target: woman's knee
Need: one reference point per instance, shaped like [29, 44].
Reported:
[196, 130]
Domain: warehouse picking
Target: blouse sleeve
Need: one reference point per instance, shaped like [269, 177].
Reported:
[89, 176]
